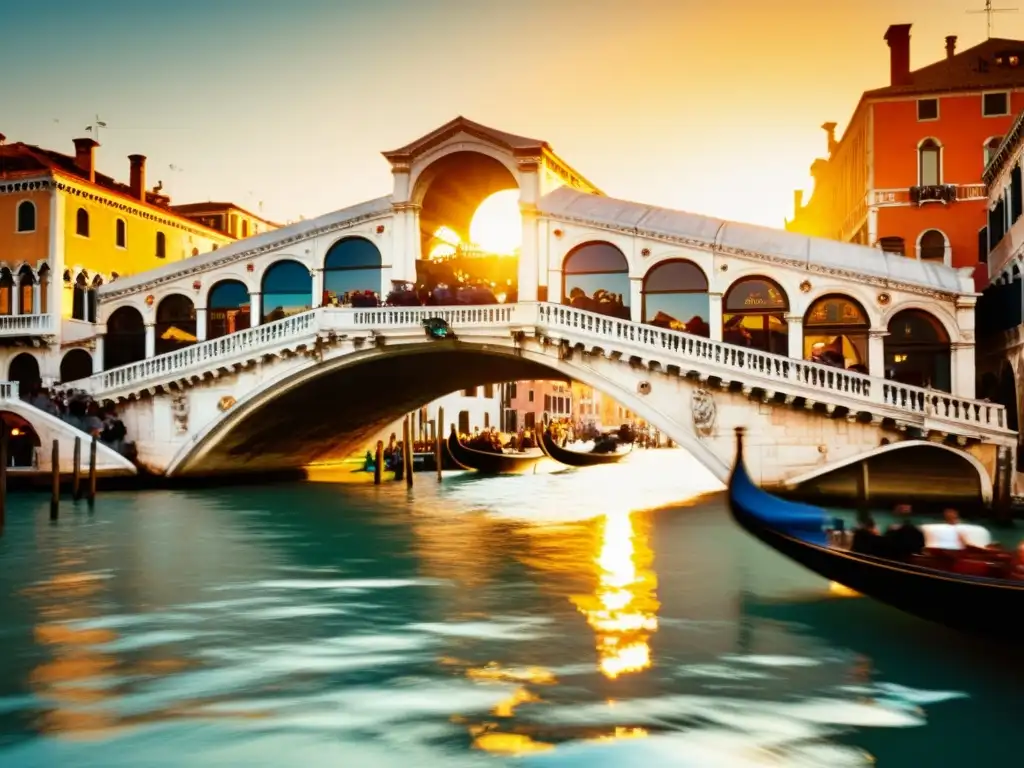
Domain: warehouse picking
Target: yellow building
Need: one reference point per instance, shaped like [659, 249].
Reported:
[65, 229]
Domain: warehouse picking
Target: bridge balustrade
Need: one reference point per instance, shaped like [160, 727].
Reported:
[667, 347]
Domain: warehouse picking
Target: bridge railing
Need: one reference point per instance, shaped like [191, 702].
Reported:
[205, 354]
[10, 390]
[767, 367]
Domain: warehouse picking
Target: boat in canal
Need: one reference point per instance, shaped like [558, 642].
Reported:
[978, 602]
[491, 463]
[550, 446]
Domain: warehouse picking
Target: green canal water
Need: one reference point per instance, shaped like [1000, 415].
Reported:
[611, 616]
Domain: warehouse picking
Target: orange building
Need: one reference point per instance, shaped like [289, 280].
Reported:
[907, 174]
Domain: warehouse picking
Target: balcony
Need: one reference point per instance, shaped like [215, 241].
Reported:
[933, 193]
[27, 325]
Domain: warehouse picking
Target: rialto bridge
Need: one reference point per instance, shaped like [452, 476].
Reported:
[268, 353]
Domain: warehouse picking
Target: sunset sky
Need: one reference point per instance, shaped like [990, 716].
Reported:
[712, 107]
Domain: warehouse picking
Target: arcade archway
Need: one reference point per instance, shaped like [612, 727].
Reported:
[917, 350]
[22, 441]
[126, 338]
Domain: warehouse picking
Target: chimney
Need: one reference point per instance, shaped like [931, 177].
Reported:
[138, 177]
[85, 157]
[798, 200]
[950, 46]
[898, 37]
[830, 129]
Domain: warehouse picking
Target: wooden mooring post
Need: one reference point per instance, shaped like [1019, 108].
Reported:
[438, 446]
[408, 450]
[76, 471]
[92, 471]
[55, 481]
[378, 463]
[863, 490]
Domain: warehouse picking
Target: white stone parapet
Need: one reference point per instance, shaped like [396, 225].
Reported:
[706, 358]
[20, 325]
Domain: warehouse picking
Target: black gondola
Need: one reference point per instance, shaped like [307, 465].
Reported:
[491, 463]
[979, 604]
[549, 445]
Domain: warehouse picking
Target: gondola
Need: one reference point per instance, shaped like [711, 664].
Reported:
[491, 463]
[576, 458]
[978, 604]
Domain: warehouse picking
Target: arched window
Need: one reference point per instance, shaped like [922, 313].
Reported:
[932, 246]
[82, 222]
[22, 440]
[836, 333]
[126, 338]
[227, 308]
[917, 350]
[26, 216]
[929, 155]
[595, 277]
[990, 149]
[754, 315]
[6, 292]
[75, 365]
[245, 227]
[120, 234]
[26, 290]
[161, 245]
[287, 289]
[175, 323]
[24, 369]
[675, 296]
[79, 310]
[351, 266]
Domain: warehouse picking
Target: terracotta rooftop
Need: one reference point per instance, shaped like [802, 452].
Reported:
[187, 209]
[972, 69]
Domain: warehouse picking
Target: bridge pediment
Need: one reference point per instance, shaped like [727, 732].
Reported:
[459, 130]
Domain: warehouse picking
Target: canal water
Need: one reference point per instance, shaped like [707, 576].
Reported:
[610, 616]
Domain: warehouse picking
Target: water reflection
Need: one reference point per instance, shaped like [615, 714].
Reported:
[623, 609]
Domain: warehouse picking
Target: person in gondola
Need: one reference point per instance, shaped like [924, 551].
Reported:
[866, 538]
[903, 538]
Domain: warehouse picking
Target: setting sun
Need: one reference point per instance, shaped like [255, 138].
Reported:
[497, 225]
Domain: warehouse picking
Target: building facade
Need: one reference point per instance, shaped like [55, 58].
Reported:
[592, 409]
[906, 176]
[531, 403]
[227, 218]
[65, 230]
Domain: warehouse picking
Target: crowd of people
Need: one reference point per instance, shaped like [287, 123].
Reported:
[949, 546]
[82, 412]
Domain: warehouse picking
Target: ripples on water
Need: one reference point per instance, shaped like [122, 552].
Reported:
[537, 619]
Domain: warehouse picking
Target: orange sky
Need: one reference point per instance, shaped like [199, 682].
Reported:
[713, 107]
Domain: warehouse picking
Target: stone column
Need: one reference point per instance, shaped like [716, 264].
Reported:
[200, 323]
[97, 354]
[962, 364]
[715, 315]
[528, 277]
[16, 297]
[876, 352]
[150, 340]
[37, 295]
[636, 299]
[795, 326]
[317, 276]
[255, 312]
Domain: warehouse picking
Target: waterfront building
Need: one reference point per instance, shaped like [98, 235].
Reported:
[531, 403]
[906, 174]
[591, 409]
[66, 228]
[228, 218]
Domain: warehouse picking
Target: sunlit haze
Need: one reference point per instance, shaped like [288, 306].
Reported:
[497, 225]
[708, 107]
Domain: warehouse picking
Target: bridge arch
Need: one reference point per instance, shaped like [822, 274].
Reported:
[837, 325]
[754, 309]
[286, 288]
[228, 308]
[675, 295]
[918, 350]
[126, 337]
[251, 431]
[352, 264]
[175, 325]
[595, 277]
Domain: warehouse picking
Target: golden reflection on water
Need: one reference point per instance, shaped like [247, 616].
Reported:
[623, 610]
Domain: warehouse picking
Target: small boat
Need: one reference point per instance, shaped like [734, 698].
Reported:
[550, 446]
[981, 604]
[491, 463]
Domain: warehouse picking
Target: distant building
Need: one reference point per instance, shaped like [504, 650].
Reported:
[906, 174]
[594, 409]
[529, 403]
[228, 218]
